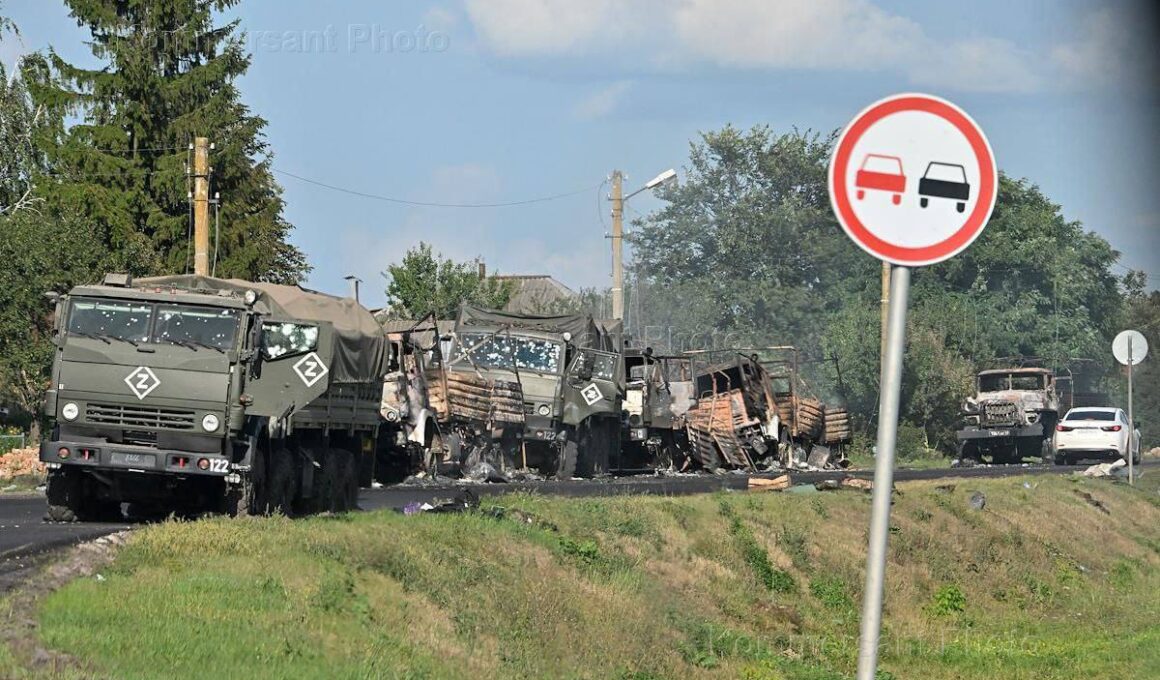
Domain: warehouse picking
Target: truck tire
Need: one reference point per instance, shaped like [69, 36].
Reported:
[280, 487]
[69, 500]
[340, 481]
[567, 456]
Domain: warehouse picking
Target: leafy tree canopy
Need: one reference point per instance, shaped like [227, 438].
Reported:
[425, 282]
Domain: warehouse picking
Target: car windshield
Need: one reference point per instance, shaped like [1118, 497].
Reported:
[205, 326]
[117, 319]
[498, 351]
[1091, 415]
[1008, 381]
[946, 172]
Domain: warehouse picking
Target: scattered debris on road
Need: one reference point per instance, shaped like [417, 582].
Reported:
[978, 500]
[1117, 469]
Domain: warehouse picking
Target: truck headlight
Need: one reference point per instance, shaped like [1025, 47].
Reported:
[69, 411]
[544, 410]
[210, 423]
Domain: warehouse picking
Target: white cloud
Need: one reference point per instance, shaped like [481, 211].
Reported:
[439, 18]
[800, 34]
[602, 102]
[524, 27]
[828, 35]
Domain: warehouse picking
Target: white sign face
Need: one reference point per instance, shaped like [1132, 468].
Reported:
[1134, 354]
[142, 381]
[913, 180]
[310, 369]
[591, 394]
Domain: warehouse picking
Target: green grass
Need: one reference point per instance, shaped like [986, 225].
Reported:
[1039, 585]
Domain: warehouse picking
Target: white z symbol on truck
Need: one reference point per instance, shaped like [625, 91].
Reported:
[310, 369]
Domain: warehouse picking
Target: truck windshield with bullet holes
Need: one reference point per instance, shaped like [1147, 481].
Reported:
[188, 394]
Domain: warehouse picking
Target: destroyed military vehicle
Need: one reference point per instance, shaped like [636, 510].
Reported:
[751, 413]
[1011, 417]
[515, 391]
[188, 393]
[658, 395]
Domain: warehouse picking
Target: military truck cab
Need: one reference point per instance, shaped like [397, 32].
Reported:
[1011, 415]
[185, 394]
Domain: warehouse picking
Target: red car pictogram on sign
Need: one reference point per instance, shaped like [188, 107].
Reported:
[881, 173]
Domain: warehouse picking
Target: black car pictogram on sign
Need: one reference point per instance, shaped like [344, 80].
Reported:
[948, 180]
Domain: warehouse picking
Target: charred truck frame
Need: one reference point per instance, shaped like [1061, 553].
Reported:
[514, 391]
[658, 395]
[188, 393]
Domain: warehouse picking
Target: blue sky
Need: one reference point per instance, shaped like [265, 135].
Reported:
[484, 101]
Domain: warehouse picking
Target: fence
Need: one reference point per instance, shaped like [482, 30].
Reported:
[11, 441]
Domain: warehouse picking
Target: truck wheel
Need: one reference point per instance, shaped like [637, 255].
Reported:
[280, 482]
[340, 481]
[62, 495]
[566, 458]
[70, 501]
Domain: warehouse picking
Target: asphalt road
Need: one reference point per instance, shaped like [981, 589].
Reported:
[25, 538]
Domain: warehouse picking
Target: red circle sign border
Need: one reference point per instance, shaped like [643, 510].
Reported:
[976, 221]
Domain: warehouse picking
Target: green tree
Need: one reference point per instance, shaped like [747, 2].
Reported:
[168, 74]
[1144, 315]
[425, 282]
[42, 249]
[747, 252]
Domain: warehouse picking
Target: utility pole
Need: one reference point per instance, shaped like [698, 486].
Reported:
[201, 206]
[617, 239]
[353, 281]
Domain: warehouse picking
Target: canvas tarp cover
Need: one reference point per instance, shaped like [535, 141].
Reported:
[359, 341]
[585, 332]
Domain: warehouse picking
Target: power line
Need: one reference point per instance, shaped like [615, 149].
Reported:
[431, 204]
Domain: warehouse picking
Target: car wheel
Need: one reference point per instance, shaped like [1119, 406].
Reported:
[923, 202]
[960, 206]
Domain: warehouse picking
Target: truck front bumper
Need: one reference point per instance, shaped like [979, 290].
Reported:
[119, 457]
[1015, 432]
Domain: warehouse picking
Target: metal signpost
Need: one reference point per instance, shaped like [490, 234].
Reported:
[1130, 348]
[912, 182]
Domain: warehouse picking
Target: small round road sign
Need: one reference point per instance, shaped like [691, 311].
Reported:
[913, 180]
[1130, 348]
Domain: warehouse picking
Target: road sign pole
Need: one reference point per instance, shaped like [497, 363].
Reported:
[884, 474]
[1131, 416]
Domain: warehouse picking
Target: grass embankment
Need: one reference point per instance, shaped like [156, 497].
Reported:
[1041, 584]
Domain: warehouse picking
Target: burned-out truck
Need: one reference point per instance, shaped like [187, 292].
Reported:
[1011, 416]
[518, 392]
[658, 395]
[188, 393]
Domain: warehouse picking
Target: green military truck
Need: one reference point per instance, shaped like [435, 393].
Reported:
[187, 393]
[524, 392]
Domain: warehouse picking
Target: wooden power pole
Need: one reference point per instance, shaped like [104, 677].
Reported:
[617, 244]
[201, 206]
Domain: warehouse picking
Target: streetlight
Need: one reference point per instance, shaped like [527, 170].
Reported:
[618, 198]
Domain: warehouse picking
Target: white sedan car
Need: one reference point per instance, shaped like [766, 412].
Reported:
[1095, 433]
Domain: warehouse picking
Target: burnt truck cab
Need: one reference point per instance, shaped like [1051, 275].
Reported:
[1011, 416]
[658, 393]
[566, 371]
[162, 390]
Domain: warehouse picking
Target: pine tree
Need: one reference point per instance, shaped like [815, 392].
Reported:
[169, 75]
